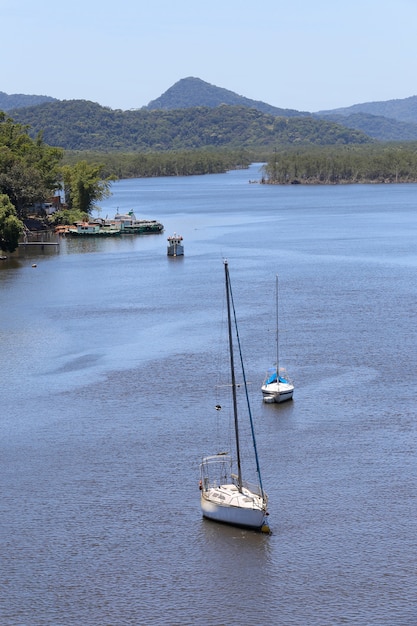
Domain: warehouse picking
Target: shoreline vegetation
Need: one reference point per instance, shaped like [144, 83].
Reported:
[379, 164]
[308, 165]
[125, 165]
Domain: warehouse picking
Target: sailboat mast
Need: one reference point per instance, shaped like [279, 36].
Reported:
[232, 371]
[276, 324]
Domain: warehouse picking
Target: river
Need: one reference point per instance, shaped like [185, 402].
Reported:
[110, 359]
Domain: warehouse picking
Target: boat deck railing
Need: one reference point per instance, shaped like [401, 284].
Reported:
[216, 470]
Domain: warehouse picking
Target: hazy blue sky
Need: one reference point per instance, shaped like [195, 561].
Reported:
[301, 54]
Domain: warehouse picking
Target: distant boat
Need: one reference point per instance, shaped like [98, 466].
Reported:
[175, 245]
[277, 387]
[225, 496]
[93, 229]
[120, 225]
[129, 224]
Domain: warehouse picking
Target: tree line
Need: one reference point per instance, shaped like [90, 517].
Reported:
[175, 163]
[382, 163]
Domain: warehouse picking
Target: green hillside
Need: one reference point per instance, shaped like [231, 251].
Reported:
[376, 126]
[84, 125]
[194, 92]
[19, 100]
[393, 120]
[402, 110]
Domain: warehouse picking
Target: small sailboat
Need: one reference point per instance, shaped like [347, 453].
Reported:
[175, 245]
[225, 496]
[277, 387]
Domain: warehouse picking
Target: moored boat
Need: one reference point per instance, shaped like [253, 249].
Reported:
[277, 387]
[175, 245]
[93, 229]
[129, 224]
[225, 496]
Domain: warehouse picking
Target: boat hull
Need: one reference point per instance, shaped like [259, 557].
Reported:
[237, 509]
[279, 392]
[175, 250]
[143, 228]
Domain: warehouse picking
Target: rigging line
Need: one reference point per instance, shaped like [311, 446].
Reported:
[258, 469]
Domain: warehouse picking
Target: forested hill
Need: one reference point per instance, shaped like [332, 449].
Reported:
[376, 126]
[194, 92]
[402, 110]
[85, 125]
[392, 120]
[18, 100]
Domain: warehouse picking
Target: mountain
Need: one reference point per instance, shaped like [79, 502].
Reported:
[84, 125]
[404, 110]
[19, 100]
[194, 92]
[394, 120]
[376, 126]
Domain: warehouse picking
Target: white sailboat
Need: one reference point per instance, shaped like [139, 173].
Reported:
[277, 387]
[225, 496]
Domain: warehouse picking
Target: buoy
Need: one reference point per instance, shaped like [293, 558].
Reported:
[265, 529]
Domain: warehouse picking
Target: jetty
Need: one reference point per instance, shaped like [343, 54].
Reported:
[38, 243]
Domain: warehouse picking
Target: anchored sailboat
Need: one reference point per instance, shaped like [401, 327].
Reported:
[225, 496]
[277, 387]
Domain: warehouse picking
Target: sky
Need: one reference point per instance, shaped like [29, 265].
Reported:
[308, 55]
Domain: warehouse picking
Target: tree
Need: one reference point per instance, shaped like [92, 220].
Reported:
[11, 228]
[84, 186]
[28, 168]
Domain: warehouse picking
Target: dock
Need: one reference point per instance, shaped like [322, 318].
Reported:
[39, 243]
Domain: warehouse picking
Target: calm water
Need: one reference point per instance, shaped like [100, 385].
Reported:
[109, 363]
